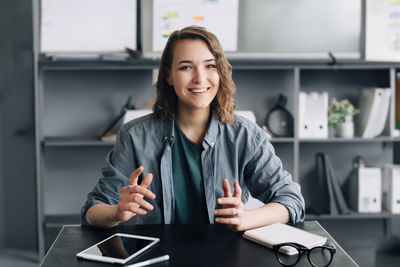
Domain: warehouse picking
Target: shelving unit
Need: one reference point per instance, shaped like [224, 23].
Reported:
[71, 155]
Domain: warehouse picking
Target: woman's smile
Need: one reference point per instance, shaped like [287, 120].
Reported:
[198, 90]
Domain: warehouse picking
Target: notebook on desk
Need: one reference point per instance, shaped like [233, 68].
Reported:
[281, 233]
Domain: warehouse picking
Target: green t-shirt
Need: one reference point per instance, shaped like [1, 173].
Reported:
[190, 203]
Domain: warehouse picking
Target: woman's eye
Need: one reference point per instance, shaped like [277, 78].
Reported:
[209, 66]
[185, 68]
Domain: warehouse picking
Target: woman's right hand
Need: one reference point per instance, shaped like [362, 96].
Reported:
[131, 200]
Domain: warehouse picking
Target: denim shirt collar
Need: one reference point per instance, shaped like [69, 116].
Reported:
[209, 138]
[211, 134]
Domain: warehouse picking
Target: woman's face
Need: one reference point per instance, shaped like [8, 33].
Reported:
[193, 75]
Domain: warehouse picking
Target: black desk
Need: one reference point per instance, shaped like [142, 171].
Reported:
[207, 245]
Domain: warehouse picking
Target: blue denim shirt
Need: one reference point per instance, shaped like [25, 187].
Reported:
[237, 151]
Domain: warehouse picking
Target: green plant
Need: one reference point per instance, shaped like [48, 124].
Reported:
[339, 110]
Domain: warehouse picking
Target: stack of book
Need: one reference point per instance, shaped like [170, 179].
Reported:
[332, 199]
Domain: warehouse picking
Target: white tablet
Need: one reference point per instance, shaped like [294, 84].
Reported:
[118, 248]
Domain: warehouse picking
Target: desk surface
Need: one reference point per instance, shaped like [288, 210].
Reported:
[187, 245]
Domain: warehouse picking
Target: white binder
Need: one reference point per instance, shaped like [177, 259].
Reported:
[366, 196]
[313, 115]
[391, 188]
[374, 110]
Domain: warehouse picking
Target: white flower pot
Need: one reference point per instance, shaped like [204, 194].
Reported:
[345, 129]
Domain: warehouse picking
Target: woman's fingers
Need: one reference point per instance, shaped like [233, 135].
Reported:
[131, 200]
[227, 212]
[138, 189]
[133, 186]
[228, 199]
[138, 199]
[226, 188]
[232, 217]
[133, 178]
[238, 190]
[232, 206]
[234, 201]
[229, 221]
[133, 203]
[147, 180]
[133, 207]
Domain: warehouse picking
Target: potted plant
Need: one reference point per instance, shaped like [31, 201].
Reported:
[340, 117]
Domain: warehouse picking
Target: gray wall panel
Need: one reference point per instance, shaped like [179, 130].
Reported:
[258, 90]
[18, 179]
[2, 188]
[71, 173]
[83, 103]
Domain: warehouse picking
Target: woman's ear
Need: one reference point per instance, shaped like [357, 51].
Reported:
[168, 78]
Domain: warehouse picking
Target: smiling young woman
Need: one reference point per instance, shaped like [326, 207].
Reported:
[202, 160]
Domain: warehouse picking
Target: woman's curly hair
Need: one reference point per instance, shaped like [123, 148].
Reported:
[223, 105]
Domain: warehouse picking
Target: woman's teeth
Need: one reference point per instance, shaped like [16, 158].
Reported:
[200, 90]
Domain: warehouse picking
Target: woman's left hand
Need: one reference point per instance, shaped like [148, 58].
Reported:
[232, 212]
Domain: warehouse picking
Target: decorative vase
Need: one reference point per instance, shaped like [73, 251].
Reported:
[345, 129]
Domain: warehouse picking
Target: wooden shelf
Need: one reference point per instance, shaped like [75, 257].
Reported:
[241, 63]
[95, 141]
[76, 64]
[75, 141]
[379, 139]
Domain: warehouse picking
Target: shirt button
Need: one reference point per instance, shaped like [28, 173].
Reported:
[165, 138]
[212, 144]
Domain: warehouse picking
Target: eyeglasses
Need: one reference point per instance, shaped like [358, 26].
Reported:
[288, 254]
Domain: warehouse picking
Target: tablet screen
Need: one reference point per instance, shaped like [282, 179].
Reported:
[119, 247]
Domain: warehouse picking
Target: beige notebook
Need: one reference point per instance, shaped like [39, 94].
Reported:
[281, 233]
